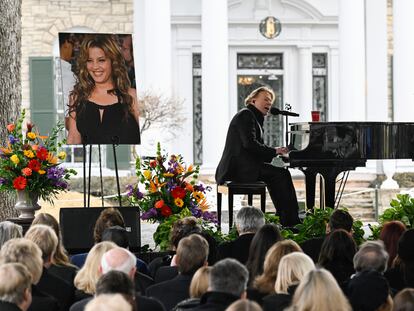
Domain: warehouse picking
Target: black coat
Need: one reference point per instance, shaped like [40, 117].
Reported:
[237, 249]
[7, 306]
[42, 301]
[142, 303]
[215, 301]
[58, 288]
[278, 302]
[171, 292]
[312, 247]
[66, 273]
[244, 152]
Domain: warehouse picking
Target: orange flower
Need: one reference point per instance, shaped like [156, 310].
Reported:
[27, 171]
[159, 204]
[152, 187]
[189, 187]
[7, 150]
[51, 158]
[203, 204]
[11, 127]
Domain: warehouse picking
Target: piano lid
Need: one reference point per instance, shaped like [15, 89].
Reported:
[351, 140]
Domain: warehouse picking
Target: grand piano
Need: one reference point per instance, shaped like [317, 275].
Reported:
[329, 148]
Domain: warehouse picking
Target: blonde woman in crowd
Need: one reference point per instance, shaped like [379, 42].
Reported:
[292, 269]
[264, 284]
[319, 291]
[87, 277]
[244, 305]
[198, 287]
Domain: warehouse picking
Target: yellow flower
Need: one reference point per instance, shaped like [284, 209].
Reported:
[179, 202]
[168, 174]
[198, 196]
[62, 155]
[31, 135]
[147, 174]
[15, 159]
[180, 168]
[28, 153]
[51, 158]
[152, 187]
[203, 204]
[41, 172]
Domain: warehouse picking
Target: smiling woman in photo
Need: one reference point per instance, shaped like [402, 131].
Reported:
[103, 107]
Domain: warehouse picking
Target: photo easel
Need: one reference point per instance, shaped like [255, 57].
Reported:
[87, 194]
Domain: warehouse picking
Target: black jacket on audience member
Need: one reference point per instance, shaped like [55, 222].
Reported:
[237, 249]
[278, 302]
[312, 247]
[142, 282]
[216, 301]
[8, 306]
[66, 273]
[56, 287]
[142, 303]
[165, 273]
[171, 292]
[42, 301]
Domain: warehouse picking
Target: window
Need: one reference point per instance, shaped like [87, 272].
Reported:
[320, 88]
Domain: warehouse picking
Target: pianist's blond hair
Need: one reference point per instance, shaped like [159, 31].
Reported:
[256, 92]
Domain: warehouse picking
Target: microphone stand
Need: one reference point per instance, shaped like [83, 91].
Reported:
[286, 131]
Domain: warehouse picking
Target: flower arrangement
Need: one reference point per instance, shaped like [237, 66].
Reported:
[29, 161]
[171, 188]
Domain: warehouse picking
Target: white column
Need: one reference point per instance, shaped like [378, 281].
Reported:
[214, 80]
[152, 45]
[304, 89]
[351, 60]
[403, 79]
[377, 76]
[333, 84]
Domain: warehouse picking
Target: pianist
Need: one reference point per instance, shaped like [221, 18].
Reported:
[246, 158]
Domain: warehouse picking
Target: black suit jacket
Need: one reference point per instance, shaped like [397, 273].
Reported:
[245, 151]
[169, 293]
[57, 288]
[42, 301]
[237, 249]
[7, 306]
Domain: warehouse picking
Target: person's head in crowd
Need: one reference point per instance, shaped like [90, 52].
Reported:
[404, 300]
[292, 269]
[119, 259]
[339, 245]
[390, 234]
[109, 217]
[340, 219]
[116, 234]
[249, 220]
[369, 291]
[27, 253]
[86, 278]
[371, 256]
[319, 291]
[182, 228]
[46, 239]
[126, 48]
[109, 302]
[192, 253]
[117, 282]
[9, 230]
[264, 239]
[244, 305]
[229, 276]
[16, 285]
[265, 282]
[60, 256]
[405, 257]
[200, 282]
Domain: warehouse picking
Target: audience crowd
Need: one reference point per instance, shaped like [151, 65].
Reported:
[260, 270]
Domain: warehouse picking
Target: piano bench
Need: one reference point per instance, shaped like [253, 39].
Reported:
[231, 188]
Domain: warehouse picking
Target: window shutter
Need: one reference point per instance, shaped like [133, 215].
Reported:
[42, 107]
[123, 156]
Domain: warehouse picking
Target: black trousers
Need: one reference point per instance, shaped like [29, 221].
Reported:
[283, 194]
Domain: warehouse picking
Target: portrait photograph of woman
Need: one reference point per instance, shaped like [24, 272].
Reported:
[102, 105]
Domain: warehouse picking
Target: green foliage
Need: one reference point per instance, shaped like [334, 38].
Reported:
[313, 225]
[402, 209]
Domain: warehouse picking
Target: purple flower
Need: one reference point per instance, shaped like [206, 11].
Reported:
[200, 188]
[210, 217]
[3, 181]
[152, 212]
[13, 139]
[55, 172]
[61, 184]
[196, 212]
[138, 194]
[130, 189]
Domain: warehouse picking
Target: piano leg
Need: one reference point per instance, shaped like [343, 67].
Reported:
[310, 182]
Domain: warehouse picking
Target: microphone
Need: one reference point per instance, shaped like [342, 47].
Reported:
[275, 111]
